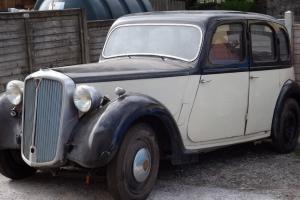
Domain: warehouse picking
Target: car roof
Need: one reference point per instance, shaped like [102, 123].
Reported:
[190, 17]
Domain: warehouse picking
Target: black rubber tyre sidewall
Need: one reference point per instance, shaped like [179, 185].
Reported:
[278, 133]
[12, 166]
[121, 182]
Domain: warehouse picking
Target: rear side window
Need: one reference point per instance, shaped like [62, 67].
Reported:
[227, 45]
[263, 43]
[284, 45]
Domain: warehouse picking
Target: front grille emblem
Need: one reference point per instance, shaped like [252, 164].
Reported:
[37, 83]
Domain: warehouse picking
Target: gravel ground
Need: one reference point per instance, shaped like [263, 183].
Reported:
[240, 172]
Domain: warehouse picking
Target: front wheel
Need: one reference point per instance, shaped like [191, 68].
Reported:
[133, 172]
[12, 166]
[285, 133]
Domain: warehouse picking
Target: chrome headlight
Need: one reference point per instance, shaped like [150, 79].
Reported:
[86, 98]
[14, 92]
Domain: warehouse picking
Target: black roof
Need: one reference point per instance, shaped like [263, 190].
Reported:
[190, 17]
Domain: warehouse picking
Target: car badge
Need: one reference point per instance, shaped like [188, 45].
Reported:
[37, 82]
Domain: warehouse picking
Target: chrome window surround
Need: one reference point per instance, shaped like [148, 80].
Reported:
[163, 55]
[68, 118]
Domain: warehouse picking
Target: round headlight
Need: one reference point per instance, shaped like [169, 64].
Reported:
[14, 92]
[86, 98]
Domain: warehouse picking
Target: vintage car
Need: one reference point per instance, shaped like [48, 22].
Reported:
[169, 85]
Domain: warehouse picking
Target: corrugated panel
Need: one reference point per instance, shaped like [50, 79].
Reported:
[48, 114]
[168, 5]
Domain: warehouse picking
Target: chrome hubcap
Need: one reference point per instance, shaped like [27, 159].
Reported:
[142, 165]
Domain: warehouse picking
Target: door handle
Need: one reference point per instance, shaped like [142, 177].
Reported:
[253, 77]
[203, 81]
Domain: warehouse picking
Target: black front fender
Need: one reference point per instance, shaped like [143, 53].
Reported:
[99, 134]
[10, 127]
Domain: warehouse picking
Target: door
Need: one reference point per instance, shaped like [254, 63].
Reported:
[221, 101]
[264, 77]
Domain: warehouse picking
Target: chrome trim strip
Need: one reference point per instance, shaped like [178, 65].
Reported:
[155, 24]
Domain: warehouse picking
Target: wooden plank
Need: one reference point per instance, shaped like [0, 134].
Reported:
[10, 43]
[297, 40]
[55, 37]
[13, 64]
[14, 56]
[52, 31]
[10, 50]
[13, 71]
[59, 63]
[11, 35]
[6, 79]
[57, 51]
[11, 28]
[297, 59]
[55, 44]
[53, 59]
[12, 23]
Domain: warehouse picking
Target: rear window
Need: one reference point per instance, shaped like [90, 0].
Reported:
[263, 43]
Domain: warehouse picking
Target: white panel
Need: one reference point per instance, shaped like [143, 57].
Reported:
[264, 90]
[220, 107]
[169, 91]
[285, 75]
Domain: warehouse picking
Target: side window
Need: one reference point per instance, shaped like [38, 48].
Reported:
[284, 45]
[263, 43]
[227, 45]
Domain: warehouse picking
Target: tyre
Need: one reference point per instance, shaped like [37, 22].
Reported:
[286, 127]
[132, 173]
[12, 166]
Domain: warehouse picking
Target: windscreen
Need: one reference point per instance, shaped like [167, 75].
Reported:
[174, 41]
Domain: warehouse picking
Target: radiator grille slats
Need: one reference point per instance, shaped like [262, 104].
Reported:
[47, 99]
[47, 120]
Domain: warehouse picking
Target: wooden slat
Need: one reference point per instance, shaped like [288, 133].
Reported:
[58, 51]
[55, 44]
[97, 32]
[53, 38]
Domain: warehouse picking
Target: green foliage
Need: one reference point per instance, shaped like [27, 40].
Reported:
[240, 5]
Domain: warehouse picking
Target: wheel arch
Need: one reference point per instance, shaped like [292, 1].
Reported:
[104, 130]
[290, 89]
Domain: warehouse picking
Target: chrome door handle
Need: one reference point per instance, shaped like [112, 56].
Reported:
[254, 77]
[203, 81]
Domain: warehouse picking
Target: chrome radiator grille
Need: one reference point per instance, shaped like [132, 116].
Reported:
[41, 123]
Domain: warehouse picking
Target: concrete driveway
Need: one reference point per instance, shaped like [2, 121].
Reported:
[240, 172]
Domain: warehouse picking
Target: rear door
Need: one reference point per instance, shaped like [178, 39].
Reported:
[264, 77]
[221, 101]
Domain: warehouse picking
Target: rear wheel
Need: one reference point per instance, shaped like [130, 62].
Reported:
[287, 127]
[133, 172]
[12, 165]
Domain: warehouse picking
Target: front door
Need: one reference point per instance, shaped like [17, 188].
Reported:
[264, 78]
[221, 102]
